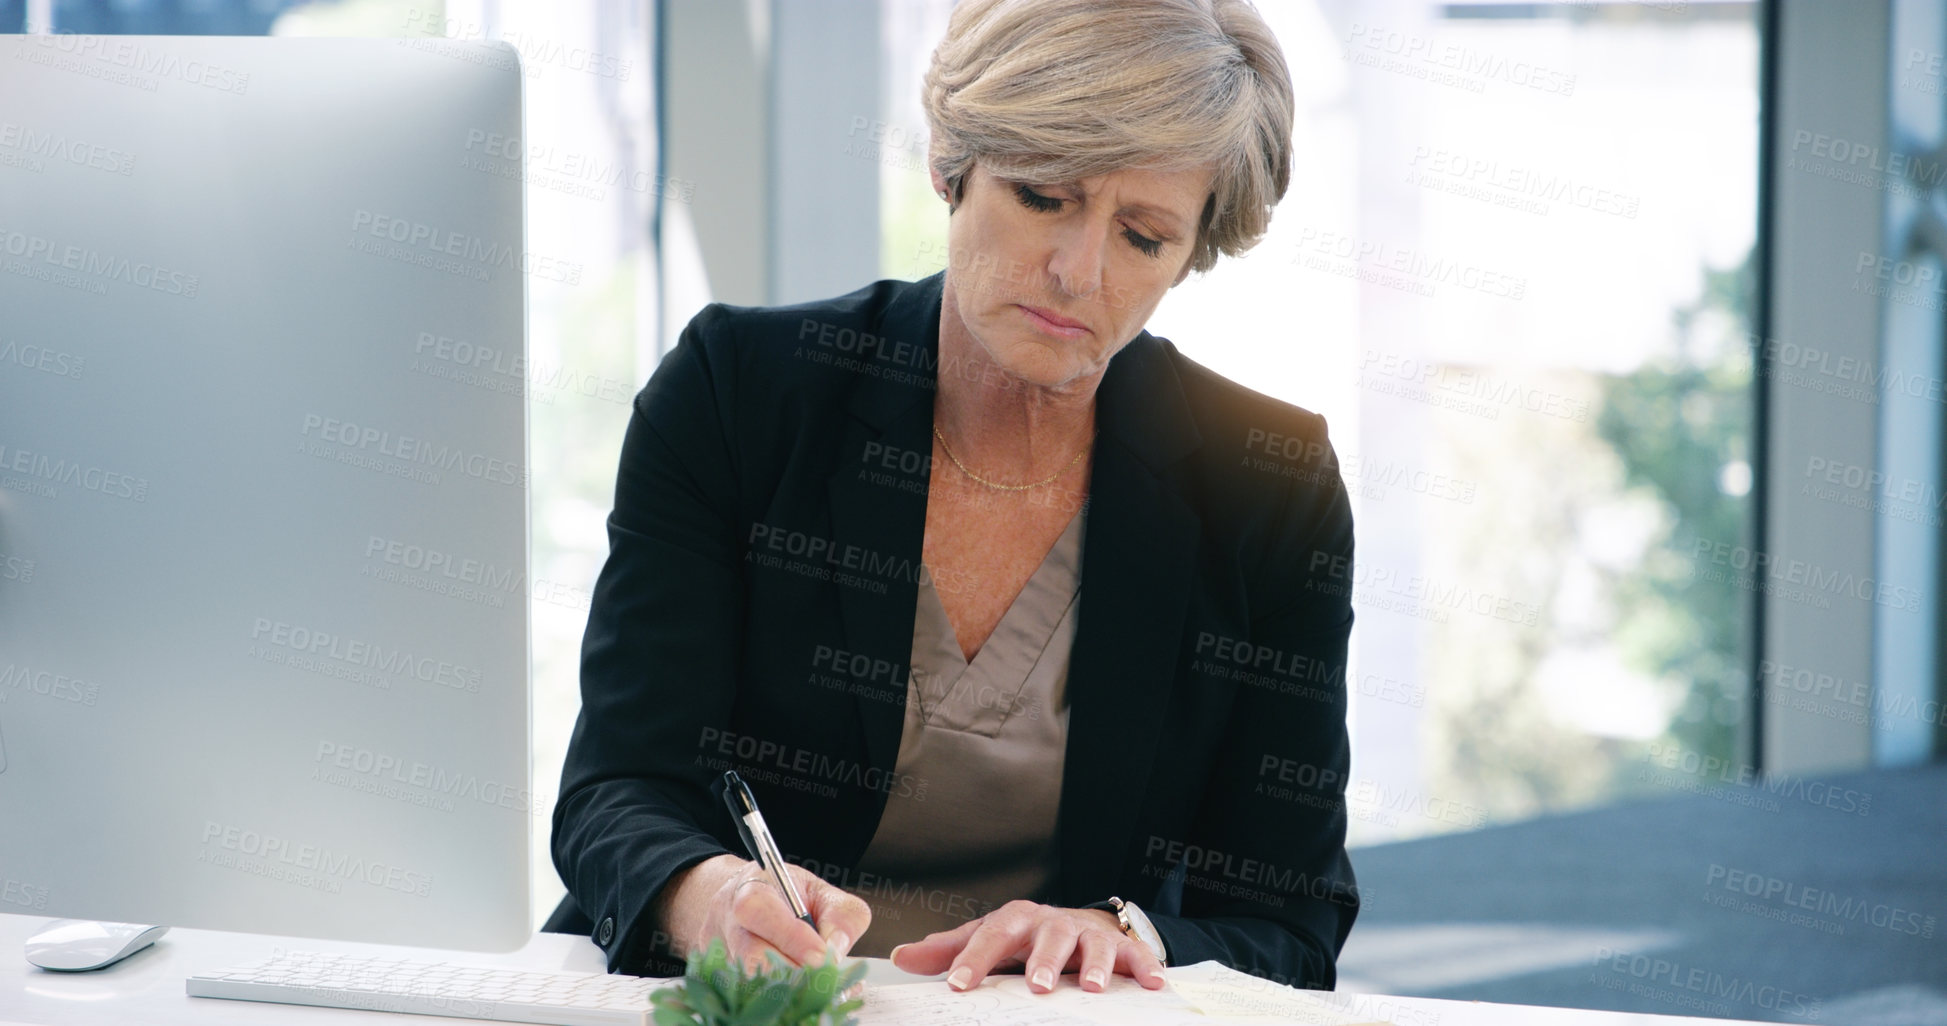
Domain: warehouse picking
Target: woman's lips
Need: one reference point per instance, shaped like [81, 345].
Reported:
[1054, 323]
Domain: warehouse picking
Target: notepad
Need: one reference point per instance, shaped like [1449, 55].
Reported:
[1205, 994]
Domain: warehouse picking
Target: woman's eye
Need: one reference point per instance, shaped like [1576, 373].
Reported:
[1149, 246]
[1035, 201]
[1049, 204]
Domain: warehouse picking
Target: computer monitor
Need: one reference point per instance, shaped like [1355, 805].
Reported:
[263, 517]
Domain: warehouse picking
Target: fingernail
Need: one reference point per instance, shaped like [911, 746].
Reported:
[894, 953]
[1094, 976]
[1153, 976]
[960, 978]
[1044, 977]
[842, 941]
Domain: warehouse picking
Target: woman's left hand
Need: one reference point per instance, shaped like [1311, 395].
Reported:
[1047, 941]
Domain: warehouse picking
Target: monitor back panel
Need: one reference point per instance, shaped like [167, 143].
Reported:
[263, 587]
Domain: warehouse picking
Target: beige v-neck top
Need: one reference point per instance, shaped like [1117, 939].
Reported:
[987, 739]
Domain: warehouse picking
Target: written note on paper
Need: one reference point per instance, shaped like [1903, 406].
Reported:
[1206, 994]
[1226, 995]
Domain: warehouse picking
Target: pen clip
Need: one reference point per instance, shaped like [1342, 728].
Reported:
[738, 799]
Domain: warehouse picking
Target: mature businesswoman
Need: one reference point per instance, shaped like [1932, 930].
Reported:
[1027, 631]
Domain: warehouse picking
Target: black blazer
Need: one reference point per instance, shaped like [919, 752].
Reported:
[756, 612]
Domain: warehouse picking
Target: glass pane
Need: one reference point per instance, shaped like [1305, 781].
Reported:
[169, 17]
[1513, 272]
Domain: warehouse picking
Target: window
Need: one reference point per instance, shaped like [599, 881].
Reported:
[1513, 271]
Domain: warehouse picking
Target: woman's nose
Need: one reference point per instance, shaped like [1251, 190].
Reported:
[1077, 260]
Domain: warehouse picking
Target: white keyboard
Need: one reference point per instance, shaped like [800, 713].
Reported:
[435, 988]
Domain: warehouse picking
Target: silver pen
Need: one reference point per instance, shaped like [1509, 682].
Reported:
[757, 838]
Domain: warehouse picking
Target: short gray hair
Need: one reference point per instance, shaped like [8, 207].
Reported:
[1057, 90]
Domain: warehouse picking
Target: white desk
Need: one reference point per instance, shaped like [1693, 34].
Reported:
[148, 987]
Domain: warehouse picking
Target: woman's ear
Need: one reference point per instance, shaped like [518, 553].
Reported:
[940, 188]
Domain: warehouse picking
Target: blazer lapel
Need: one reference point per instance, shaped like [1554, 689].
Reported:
[893, 407]
[1138, 561]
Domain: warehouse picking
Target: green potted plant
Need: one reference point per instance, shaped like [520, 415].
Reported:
[715, 991]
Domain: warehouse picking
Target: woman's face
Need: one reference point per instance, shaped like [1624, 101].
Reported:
[1052, 279]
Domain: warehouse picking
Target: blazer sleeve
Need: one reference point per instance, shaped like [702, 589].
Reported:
[1267, 887]
[659, 660]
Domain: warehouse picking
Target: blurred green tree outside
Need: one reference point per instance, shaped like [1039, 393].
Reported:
[1682, 429]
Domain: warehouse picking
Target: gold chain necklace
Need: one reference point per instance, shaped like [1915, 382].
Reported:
[996, 485]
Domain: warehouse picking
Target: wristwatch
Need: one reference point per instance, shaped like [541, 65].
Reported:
[1136, 925]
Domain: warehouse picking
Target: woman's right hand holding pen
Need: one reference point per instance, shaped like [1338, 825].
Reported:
[735, 899]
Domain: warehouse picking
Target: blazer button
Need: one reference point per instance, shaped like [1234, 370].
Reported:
[605, 932]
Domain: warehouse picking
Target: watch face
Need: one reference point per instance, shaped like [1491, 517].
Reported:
[1140, 928]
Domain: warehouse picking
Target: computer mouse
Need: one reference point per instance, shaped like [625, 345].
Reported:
[78, 945]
